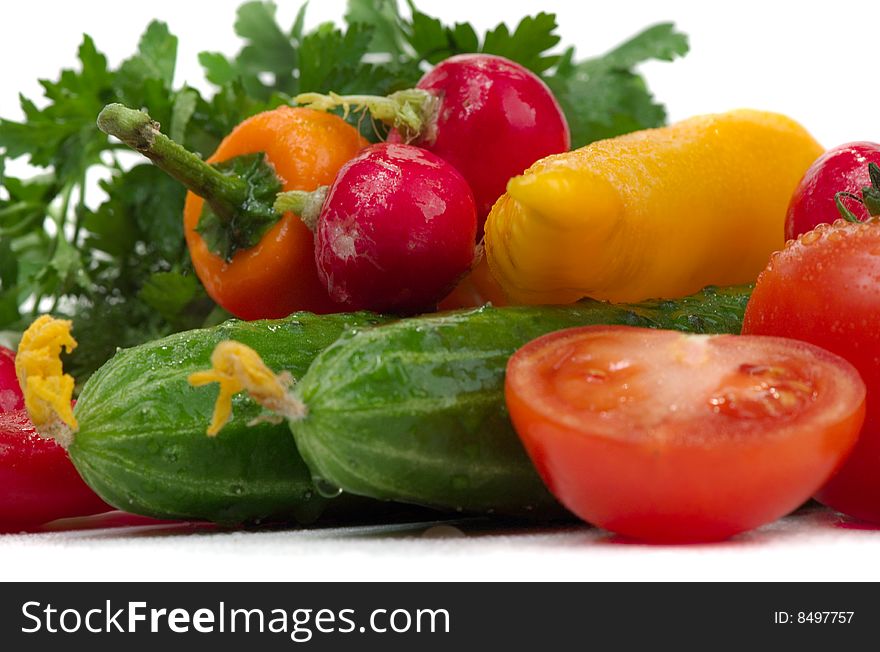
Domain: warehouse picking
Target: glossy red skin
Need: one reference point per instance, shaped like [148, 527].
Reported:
[494, 120]
[396, 231]
[10, 393]
[38, 482]
[824, 288]
[841, 169]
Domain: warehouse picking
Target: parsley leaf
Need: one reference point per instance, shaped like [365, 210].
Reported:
[384, 16]
[332, 58]
[605, 97]
[169, 293]
[63, 134]
[661, 42]
[156, 58]
[528, 44]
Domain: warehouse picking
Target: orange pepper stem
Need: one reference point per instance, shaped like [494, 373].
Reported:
[306, 205]
[226, 194]
[410, 111]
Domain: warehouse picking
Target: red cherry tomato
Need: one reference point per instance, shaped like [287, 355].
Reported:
[841, 169]
[668, 437]
[824, 288]
[10, 392]
[38, 483]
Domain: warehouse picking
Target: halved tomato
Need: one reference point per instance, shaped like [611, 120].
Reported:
[669, 437]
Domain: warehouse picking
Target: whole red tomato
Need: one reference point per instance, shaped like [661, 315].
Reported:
[841, 169]
[824, 288]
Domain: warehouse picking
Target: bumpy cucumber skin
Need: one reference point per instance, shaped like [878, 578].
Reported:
[414, 411]
[142, 445]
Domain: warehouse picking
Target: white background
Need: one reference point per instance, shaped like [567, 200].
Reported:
[812, 60]
[816, 61]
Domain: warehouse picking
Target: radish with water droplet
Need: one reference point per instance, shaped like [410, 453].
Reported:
[394, 232]
[839, 174]
[488, 116]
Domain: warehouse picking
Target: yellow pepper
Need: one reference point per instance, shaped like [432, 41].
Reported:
[659, 213]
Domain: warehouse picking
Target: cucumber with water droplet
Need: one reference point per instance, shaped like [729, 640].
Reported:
[141, 443]
[413, 411]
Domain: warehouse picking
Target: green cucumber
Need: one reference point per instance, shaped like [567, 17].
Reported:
[414, 411]
[141, 443]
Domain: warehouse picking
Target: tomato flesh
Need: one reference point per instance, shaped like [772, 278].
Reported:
[668, 437]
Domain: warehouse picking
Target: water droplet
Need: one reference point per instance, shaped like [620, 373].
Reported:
[810, 237]
[442, 532]
[326, 488]
[237, 489]
[308, 495]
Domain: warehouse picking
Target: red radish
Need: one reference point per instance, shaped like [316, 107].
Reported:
[841, 169]
[10, 393]
[488, 116]
[38, 483]
[394, 232]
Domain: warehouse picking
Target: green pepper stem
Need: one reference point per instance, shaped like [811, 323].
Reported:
[411, 111]
[306, 205]
[225, 194]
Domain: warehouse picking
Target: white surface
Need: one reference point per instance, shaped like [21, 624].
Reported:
[811, 544]
[811, 60]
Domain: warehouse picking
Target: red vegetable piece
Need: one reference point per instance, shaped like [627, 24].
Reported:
[10, 393]
[38, 482]
[495, 119]
[396, 230]
[824, 288]
[841, 169]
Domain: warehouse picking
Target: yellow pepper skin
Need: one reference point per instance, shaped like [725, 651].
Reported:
[659, 213]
